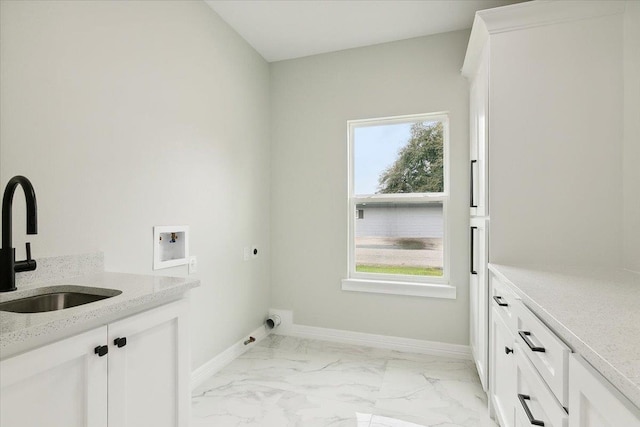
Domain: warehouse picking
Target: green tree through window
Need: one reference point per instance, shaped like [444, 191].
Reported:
[419, 167]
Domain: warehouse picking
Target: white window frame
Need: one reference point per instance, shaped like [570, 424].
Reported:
[426, 286]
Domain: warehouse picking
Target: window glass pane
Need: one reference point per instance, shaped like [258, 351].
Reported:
[400, 238]
[399, 158]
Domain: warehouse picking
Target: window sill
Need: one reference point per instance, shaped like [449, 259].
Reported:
[400, 288]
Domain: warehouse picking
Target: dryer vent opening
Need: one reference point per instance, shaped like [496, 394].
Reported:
[273, 321]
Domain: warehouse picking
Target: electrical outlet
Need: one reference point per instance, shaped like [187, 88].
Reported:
[193, 265]
[246, 253]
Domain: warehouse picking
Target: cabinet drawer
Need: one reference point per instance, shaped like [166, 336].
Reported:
[534, 401]
[503, 299]
[548, 354]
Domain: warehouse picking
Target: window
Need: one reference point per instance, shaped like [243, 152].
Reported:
[398, 195]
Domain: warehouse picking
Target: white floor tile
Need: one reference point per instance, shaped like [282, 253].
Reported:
[286, 381]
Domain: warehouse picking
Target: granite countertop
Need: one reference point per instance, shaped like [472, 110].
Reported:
[595, 311]
[20, 331]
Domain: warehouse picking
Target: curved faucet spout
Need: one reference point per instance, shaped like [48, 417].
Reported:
[8, 264]
[7, 202]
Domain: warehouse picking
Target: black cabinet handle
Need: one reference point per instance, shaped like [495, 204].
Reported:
[472, 202]
[498, 300]
[120, 342]
[472, 269]
[523, 401]
[507, 350]
[524, 335]
[101, 350]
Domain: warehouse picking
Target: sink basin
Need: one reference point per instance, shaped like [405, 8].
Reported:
[56, 300]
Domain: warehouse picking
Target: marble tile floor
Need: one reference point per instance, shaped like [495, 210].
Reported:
[285, 381]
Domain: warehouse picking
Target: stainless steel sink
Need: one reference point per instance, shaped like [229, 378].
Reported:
[56, 300]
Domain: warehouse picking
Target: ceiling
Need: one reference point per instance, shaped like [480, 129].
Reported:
[286, 29]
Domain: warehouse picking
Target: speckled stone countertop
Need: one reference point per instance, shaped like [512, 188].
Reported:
[19, 331]
[596, 312]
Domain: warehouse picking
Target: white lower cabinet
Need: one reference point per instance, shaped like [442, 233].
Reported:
[149, 376]
[545, 350]
[502, 370]
[541, 382]
[594, 402]
[535, 402]
[59, 385]
[94, 380]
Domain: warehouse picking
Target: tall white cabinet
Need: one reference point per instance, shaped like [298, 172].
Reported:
[546, 108]
[479, 210]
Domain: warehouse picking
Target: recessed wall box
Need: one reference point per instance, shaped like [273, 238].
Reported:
[170, 246]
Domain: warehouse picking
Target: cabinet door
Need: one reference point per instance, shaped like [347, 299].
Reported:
[59, 385]
[593, 402]
[478, 298]
[149, 375]
[479, 96]
[502, 370]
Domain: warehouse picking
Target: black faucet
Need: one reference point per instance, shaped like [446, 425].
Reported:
[8, 264]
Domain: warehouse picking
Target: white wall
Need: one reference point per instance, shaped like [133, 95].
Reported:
[312, 99]
[127, 115]
[631, 150]
[556, 144]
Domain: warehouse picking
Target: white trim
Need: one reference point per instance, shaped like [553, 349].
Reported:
[201, 374]
[398, 281]
[288, 328]
[400, 198]
[528, 15]
[541, 13]
[437, 116]
[431, 290]
[408, 345]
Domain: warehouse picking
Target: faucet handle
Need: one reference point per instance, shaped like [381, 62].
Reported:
[26, 265]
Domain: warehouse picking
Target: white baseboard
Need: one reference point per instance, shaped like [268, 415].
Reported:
[201, 374]
[379, 341]
[289, 328]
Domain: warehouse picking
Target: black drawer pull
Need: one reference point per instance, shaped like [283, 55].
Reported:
[524, 335]
[523, 398]
[120, 342]
[472, 202]
[472, 269]
[498, 301]
[507, 350]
